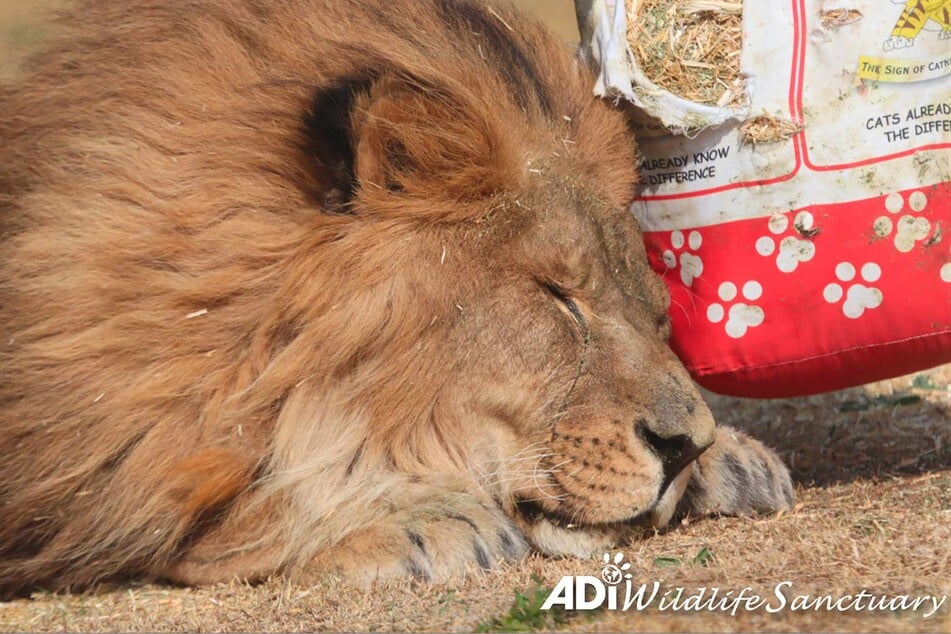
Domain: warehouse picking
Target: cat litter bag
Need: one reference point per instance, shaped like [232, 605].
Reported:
[801, 218]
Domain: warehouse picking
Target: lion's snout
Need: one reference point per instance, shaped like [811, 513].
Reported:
[677, 426]
[617, 477]
[626, 438]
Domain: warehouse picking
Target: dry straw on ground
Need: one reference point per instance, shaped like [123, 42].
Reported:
[689, 47]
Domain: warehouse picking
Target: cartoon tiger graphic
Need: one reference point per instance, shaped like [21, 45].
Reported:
[913, 19]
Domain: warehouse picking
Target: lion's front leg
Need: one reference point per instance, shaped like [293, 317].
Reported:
[434, 539]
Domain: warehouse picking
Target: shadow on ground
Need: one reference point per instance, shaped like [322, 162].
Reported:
[897, 427]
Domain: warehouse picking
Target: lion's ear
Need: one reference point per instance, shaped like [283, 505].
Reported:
[329, 140]
[388, 138]
[419, 143]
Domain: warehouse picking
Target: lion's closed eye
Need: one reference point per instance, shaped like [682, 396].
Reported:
[567, 305]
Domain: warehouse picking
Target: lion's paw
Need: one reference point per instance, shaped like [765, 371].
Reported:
[431, 542]
[738, 475]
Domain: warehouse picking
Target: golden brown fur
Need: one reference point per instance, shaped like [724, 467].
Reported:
[326, 286]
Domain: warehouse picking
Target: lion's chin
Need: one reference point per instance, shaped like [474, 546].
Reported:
[568, 510]
[551, 531]
[552, 535]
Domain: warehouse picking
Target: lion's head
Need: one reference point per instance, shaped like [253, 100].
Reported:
[522, 334]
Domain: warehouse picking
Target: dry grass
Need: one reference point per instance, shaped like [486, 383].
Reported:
[689, 47]
[874, 472]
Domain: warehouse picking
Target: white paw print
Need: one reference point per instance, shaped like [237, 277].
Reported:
[792, 250]
[859, 297]
[740, 316]
[945, 272]
[910, 229]
[691, 266]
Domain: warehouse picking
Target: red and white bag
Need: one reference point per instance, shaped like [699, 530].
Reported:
[822, 261]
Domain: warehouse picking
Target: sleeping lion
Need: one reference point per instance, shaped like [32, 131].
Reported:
[317, 287]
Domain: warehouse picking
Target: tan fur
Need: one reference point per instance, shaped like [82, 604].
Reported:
[236, 340]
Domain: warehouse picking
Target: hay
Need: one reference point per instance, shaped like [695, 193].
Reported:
[689, 47]
[768, 129]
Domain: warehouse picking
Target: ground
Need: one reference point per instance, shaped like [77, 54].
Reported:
[873, 472]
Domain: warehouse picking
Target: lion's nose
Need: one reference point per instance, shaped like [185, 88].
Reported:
[676, 451]
[677, 425]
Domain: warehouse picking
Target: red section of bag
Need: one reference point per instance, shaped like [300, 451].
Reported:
[814, 299]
